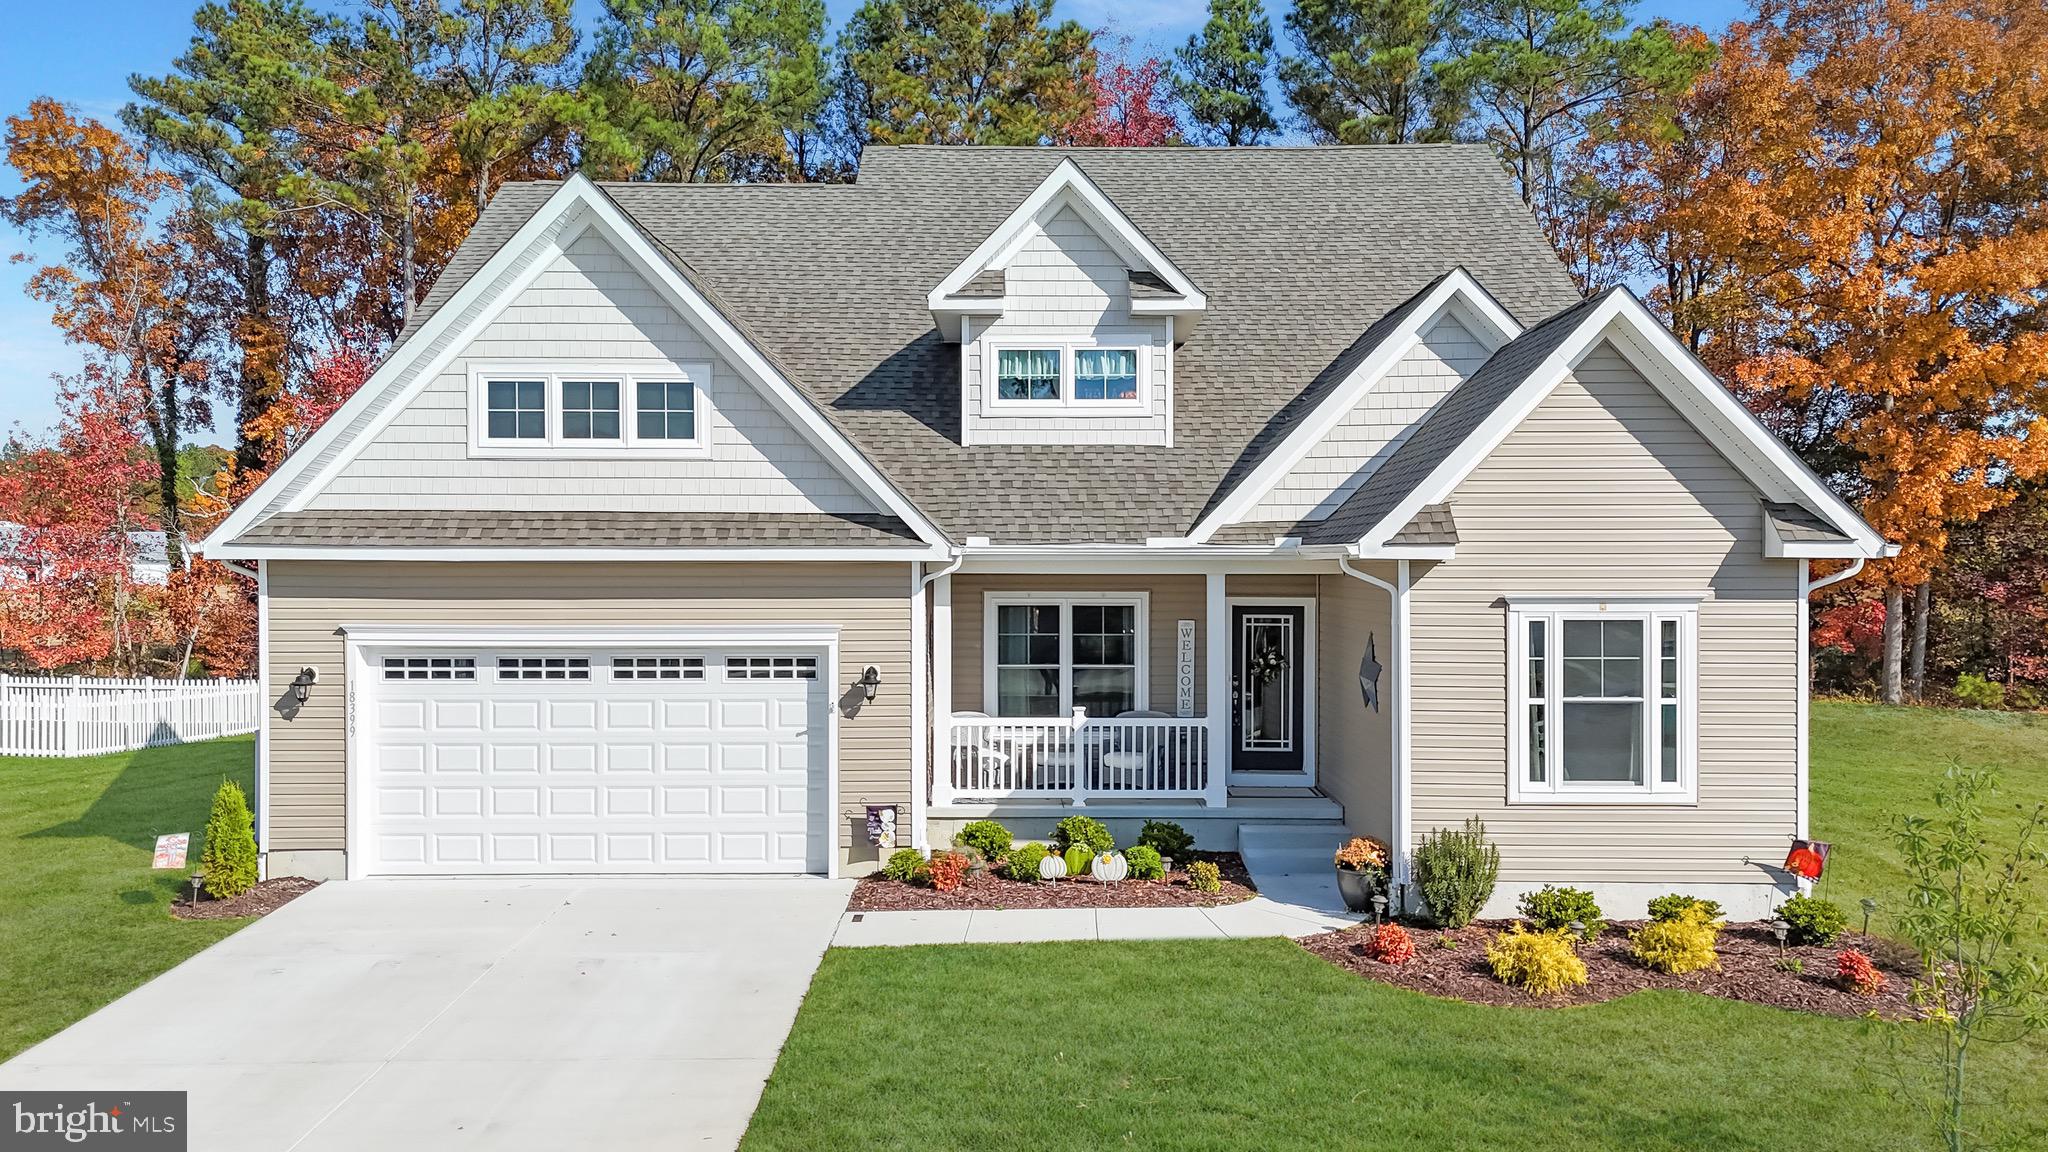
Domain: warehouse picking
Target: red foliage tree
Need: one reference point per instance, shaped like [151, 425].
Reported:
[1132, 100]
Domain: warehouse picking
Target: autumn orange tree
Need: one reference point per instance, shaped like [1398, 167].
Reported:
[1850, 223]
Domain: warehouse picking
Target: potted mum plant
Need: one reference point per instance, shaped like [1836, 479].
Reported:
[1361, 871]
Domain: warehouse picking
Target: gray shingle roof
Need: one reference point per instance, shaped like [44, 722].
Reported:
[991, 283]
[580, 529]
[1798, 522]
[1432, 525]
[1299, 251]
[1448, 425]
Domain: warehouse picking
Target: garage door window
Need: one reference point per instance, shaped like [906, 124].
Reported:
[430, 668]
[771, 668]
[657, 668]
[543, 668]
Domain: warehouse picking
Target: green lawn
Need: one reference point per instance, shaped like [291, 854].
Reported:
[82, 916]
[1257, 1044]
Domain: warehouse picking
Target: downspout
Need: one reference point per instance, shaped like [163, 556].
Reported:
[921, 796]
[1807, 587]
[1813, 586]
[1397, 597]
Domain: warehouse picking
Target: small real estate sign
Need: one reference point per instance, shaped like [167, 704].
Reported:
[170, 850]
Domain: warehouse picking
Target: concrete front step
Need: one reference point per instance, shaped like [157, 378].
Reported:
[1290, 862]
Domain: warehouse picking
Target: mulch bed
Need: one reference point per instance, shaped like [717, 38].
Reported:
[266, 897]
[1747, 971]
[989, 891]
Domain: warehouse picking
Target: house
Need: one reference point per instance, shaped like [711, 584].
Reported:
[744, 528]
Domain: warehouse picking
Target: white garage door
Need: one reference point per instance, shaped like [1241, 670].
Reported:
[515, 762]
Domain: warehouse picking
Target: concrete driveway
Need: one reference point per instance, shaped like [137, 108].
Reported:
[470, 1014]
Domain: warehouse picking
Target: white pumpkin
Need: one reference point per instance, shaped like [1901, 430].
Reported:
[1110, 867]
[1052, 867]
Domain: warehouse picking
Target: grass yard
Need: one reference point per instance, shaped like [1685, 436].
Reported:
[82, 916]
[1257, 1044]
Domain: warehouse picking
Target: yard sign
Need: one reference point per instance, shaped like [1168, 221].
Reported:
[170, 850]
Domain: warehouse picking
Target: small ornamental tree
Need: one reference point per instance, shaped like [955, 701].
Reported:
[1970, 912]
[229, 858]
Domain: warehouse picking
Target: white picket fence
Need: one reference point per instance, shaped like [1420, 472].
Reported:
[89, 715]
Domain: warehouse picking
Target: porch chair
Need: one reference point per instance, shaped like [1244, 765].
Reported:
[1126, 768]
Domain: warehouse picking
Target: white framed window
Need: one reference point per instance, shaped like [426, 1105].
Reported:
[1046, 654]
[1105, 375]
[1602, 701]
[543, 667]
[430, 667]
[771, 668]
[590, 411]
[657, 667]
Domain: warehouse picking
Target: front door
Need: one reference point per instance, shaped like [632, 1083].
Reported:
[1267, 683]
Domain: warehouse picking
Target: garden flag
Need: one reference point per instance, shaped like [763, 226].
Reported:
[1807, 858]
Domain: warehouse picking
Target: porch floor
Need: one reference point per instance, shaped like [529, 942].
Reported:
[1245, 804]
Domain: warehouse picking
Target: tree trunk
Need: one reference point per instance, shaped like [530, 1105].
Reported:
[1916, 649]
[1894, 633]
[259, 384]
[408, 247]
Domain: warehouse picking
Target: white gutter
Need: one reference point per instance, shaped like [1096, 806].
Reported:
[1813, 586]
[1403, 791]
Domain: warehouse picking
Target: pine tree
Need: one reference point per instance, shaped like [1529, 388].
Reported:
[1372, 71]
[1221, 75]
[229, 857]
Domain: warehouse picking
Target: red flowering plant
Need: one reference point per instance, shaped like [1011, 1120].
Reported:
[1857, 973]
[945, 870]
[1390, 944]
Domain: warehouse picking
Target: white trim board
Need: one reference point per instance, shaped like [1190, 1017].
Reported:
[1482, 315]
[1682, 380]
[549, 554]
[575, 208]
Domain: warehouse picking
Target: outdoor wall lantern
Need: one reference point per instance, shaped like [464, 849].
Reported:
[870, 679]
[302, 684]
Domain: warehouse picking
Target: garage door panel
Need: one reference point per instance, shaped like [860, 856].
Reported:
[599, 775]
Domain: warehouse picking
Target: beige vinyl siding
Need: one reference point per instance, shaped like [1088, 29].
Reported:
[1068, 284]
[1369, 433]
[311, 601]
[1173, 598]
[1606, 490]
[590, 308]
[1354, 744]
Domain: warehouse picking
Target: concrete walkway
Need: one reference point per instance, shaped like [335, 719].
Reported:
[1290, 866]
[474, 1014]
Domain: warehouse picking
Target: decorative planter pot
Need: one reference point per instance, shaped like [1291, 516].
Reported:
[1052, 867]
[1357, 888]
[1111, 867]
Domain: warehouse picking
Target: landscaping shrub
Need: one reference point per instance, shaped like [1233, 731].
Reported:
[903, 864]
[1974, 691]
[1205, 876]
[1145, 862]
[1542, 963]
[1813, 920]
[1673, 906]
[987, 837]
[1022, 863]
[1857, 973]
[1456, 870]
[1550, 908]
[1679, 945]
[945, 870]
[2022, 698]
[229, 857]
[1084, 831]
[1390, 944]
[1167, 838]
[1079, 859]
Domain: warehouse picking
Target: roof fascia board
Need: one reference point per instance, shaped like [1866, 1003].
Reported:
[522, 554]
[250, 510]
[1668, 367]
[1067, 185]
[1457, 287]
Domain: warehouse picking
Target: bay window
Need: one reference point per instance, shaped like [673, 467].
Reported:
[1047, 654]
[1602, 701]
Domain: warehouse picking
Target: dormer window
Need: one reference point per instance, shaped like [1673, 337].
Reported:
[1028, 374]
[590, 411]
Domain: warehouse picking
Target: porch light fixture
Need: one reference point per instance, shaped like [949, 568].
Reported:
[870, 680]
[302, 684]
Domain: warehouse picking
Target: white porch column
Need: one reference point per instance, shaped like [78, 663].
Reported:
[942, 691]
[1404, 784]
[1216, 703]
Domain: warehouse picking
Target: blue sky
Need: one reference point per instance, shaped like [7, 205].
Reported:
[84, 55]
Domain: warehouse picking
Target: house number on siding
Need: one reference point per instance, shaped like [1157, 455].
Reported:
[1184, 671]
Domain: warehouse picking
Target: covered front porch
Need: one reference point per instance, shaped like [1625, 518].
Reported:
[1208, 697]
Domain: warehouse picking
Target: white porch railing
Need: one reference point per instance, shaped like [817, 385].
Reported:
[1074, 759]
[89, 716]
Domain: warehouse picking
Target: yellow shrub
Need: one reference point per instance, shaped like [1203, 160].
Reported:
[1542, 962]
[1678, 946]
